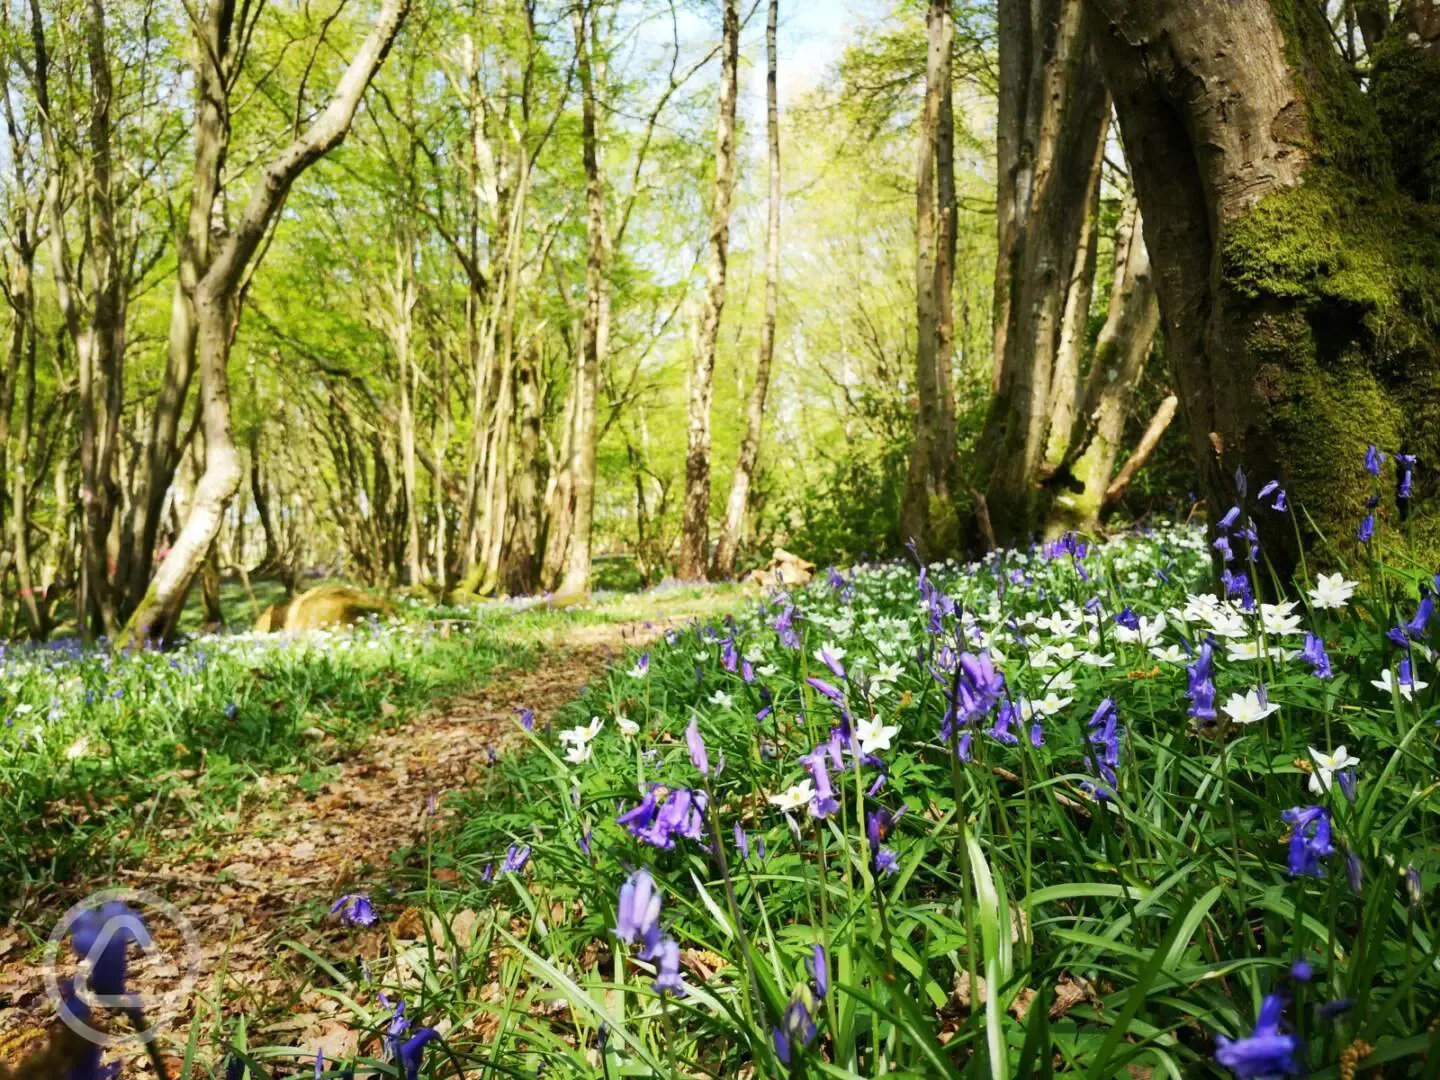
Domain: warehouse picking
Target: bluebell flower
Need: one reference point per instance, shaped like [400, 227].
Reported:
[1301, 971]
[669, 981]
[820, 968]
[515, 859]
[527, 718]
[1266, 1052]
[1367, 529]
[1416, 627]
[696, 744]
[1309, 840]
[412, 1053]
[355, 910]
[1242, 482]
[1374, 458]
[1332, 1009]
[796, 1028]
[1315, 655]
[1404, 476]
[637, 915]
[1128, 619]
[1228, 521]
[102, 936]
[824, 804]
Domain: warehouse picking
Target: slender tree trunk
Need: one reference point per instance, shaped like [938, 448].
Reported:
[401, 333]
[521, 567]
[217, 311]
[560, 501]
[1082, 483]
[1266, 176]
[925, 506]
[695, 537]
[1063, 120]
[595, 326]
[729, 543]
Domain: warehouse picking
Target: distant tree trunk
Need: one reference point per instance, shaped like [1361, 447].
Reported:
[1083, 478]
[926, 510]
[595, 326]
[217, 311]
[559, 495]
[1055, 158]
[729, 543]
[1292, 222]
[401, 325]
[695, 537]
[521, 566]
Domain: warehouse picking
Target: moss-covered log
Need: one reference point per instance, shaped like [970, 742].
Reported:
[1293, 223]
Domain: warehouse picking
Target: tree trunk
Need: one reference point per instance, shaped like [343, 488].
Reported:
[1295, 249]
[695, 538]
[402, 294]
[520, 570]
[925, 513]
[1062, 123]
[217, 311]
[729, 543]
[595, 326]
[1084, 477]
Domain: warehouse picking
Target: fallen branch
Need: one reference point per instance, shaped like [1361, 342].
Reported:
[1148, 441]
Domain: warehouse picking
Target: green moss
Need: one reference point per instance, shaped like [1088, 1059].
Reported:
[1406, 96]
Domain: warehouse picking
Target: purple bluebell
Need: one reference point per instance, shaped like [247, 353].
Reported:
[1266, 1052]
[1301, 971]
[102, 936]
[1416, 627]
[355, 910]
[669, 982]
[1404, 673]
[1128, 619]
[1222, 545]
[742, 841]
[1309, 840]
[1201, 690]
[515, 859]
[395, 1033]
[1281, 503]
[1404, 476]
[877, 827]
[527, 718]
[412, 1053]
[820, 968]
[1264, 492]
[824, 804]
[1000, 729]
[1414, 887]
[1315, 655]
[1242, 482]
[796, 1029]
[583, 843]
[1374, 458]
[1367, 529]
[637, 916]
[747, 672]
[832, 662]
[696, 744]
[827, 689]
[1346, 778]
[1228, 521]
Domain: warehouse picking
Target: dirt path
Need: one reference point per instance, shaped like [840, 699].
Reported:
[291, 849]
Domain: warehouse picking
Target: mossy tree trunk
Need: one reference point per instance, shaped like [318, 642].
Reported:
[1296, 243]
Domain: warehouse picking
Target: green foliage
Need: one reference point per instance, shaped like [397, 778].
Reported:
[1144, 914]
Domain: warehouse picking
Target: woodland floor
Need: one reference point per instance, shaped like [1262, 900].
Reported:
[267, 884]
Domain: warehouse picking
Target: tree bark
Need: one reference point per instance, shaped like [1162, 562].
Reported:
[729, 542]
[1053, 161]
[216, 310]
[925, 513]
[595, 325]
[1294, 263]
[695, 537]
[1083, 479]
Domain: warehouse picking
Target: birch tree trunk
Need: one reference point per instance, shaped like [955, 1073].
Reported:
[695, 537]
[217, 313]
[1292, 222]
[729, 542]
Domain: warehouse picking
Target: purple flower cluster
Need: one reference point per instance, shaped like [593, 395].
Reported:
[1201, 689]
[1315, 655]
[975, 688]
[1309, 840]
[1104, 737]
[657, 824]
[355, 910]
[637, 919]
